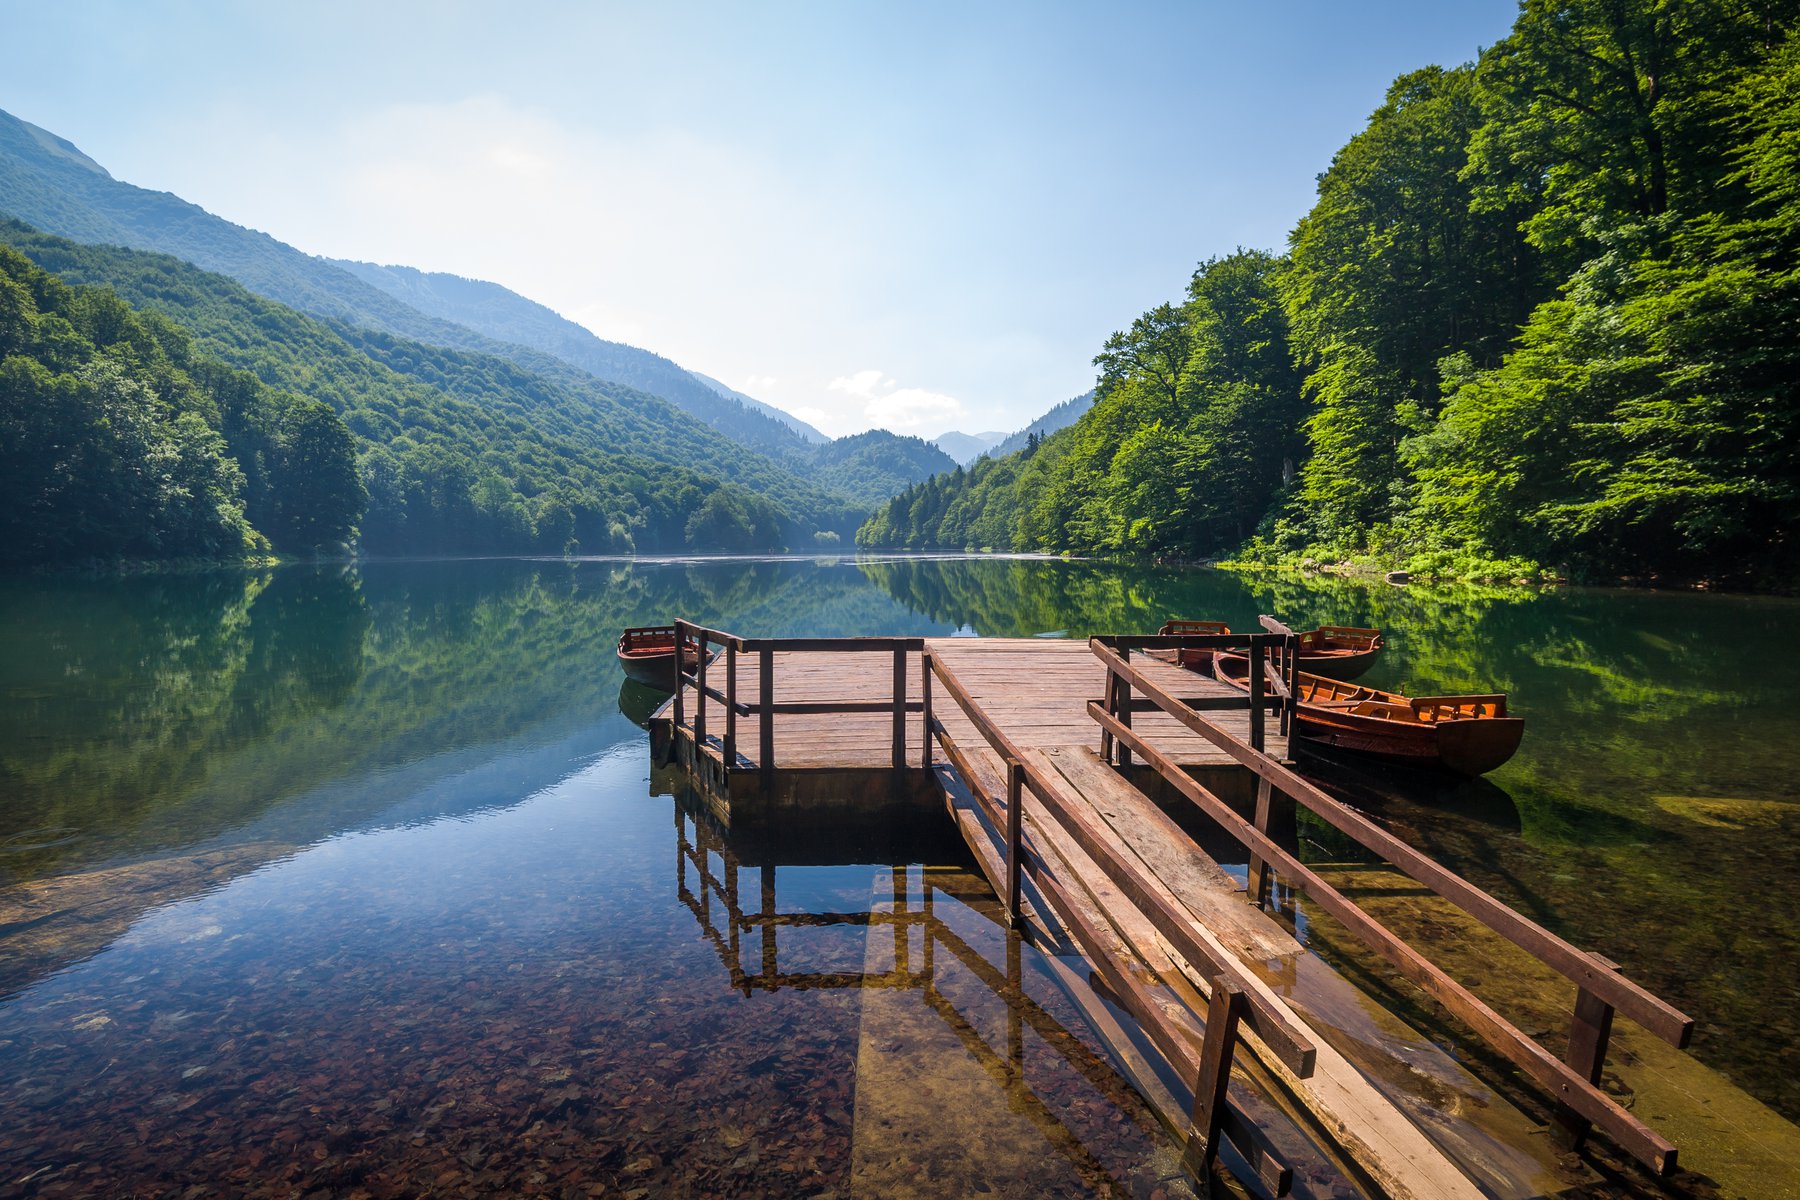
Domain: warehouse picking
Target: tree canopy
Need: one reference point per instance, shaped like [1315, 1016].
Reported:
[1542, 314]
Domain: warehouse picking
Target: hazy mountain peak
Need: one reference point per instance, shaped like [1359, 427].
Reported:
[769, 410]
[965, 448]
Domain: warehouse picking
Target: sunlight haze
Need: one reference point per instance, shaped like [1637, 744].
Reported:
[915, 217]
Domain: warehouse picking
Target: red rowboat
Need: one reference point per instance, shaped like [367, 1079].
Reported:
[1469, 735]
[1334, 651]
[648, 655]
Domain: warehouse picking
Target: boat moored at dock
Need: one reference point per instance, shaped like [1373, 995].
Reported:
[1334, 651]
[1469, 735]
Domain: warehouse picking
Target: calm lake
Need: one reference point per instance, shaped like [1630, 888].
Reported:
[357, 881]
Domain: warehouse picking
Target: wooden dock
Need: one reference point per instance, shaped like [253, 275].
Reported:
[1065, 766]
[835, 726]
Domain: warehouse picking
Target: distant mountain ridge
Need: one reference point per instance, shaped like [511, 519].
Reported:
[1060, 417]
[769, 410]
[504, 315]
[49, 184]
[965, 448]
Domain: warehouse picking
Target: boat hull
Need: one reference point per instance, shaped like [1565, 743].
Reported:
[647, 656]
[1466, 747]
[1466, 735]
[1333, 651]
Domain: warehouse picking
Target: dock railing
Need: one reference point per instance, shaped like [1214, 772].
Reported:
[1273, 678]
[1601, 989]
[1234, 1001]
[766, 706]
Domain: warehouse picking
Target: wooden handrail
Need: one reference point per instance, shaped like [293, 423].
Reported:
[1289, 1043]
[1647, 1009]
[687, 632]
[1602, 988]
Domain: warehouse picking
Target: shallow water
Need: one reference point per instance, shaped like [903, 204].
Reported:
[358, 881]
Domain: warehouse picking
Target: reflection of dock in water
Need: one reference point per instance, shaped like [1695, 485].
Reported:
[911, 949]
[1060, 763]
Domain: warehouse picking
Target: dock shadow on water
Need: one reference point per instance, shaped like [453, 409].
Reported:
[325, 882]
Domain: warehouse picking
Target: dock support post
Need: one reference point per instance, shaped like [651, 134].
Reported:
[925, 704]
[1589, 1032]
[769, 965]
[730, 710]
[765, 736]
[1015, 788]
[900, 707]
[1223, 1012]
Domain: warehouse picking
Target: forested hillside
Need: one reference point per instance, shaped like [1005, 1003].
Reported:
[1060, 417]
[463, 452]
[1544, 313]
[507, 317]
[872, 466]
[118, 439]
[50, 185]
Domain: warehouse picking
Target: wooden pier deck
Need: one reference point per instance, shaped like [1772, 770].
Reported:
[1046, 754]
[1038, 689]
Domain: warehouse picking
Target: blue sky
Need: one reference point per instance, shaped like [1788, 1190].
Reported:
[919, 216]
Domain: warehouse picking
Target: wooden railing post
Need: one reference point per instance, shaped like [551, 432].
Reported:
[925, 705]
[765, 738]
[1256, 881]
[1015, 791]
[731, 705]
[680, 676]
[1123, 711]
[1589, 1032]
[1223, 1011]
[1109, 699]
[700, 690]
[1290, 711]
[1256, 692]
[900, 706]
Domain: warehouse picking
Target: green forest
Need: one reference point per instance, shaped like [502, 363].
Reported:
[454, 452]
[121, 441]
[1543, 317]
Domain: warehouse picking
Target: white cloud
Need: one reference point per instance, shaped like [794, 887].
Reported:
[887, 404]
[909, 408]
[757, 383]
[861, 385]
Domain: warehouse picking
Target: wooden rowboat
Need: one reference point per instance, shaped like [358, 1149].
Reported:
[1469, 735]
[1334, 651]
[648, 655]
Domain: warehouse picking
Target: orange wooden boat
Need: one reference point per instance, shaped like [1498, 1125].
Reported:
[1334, 651]
[647, 653]
[1470, 735]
